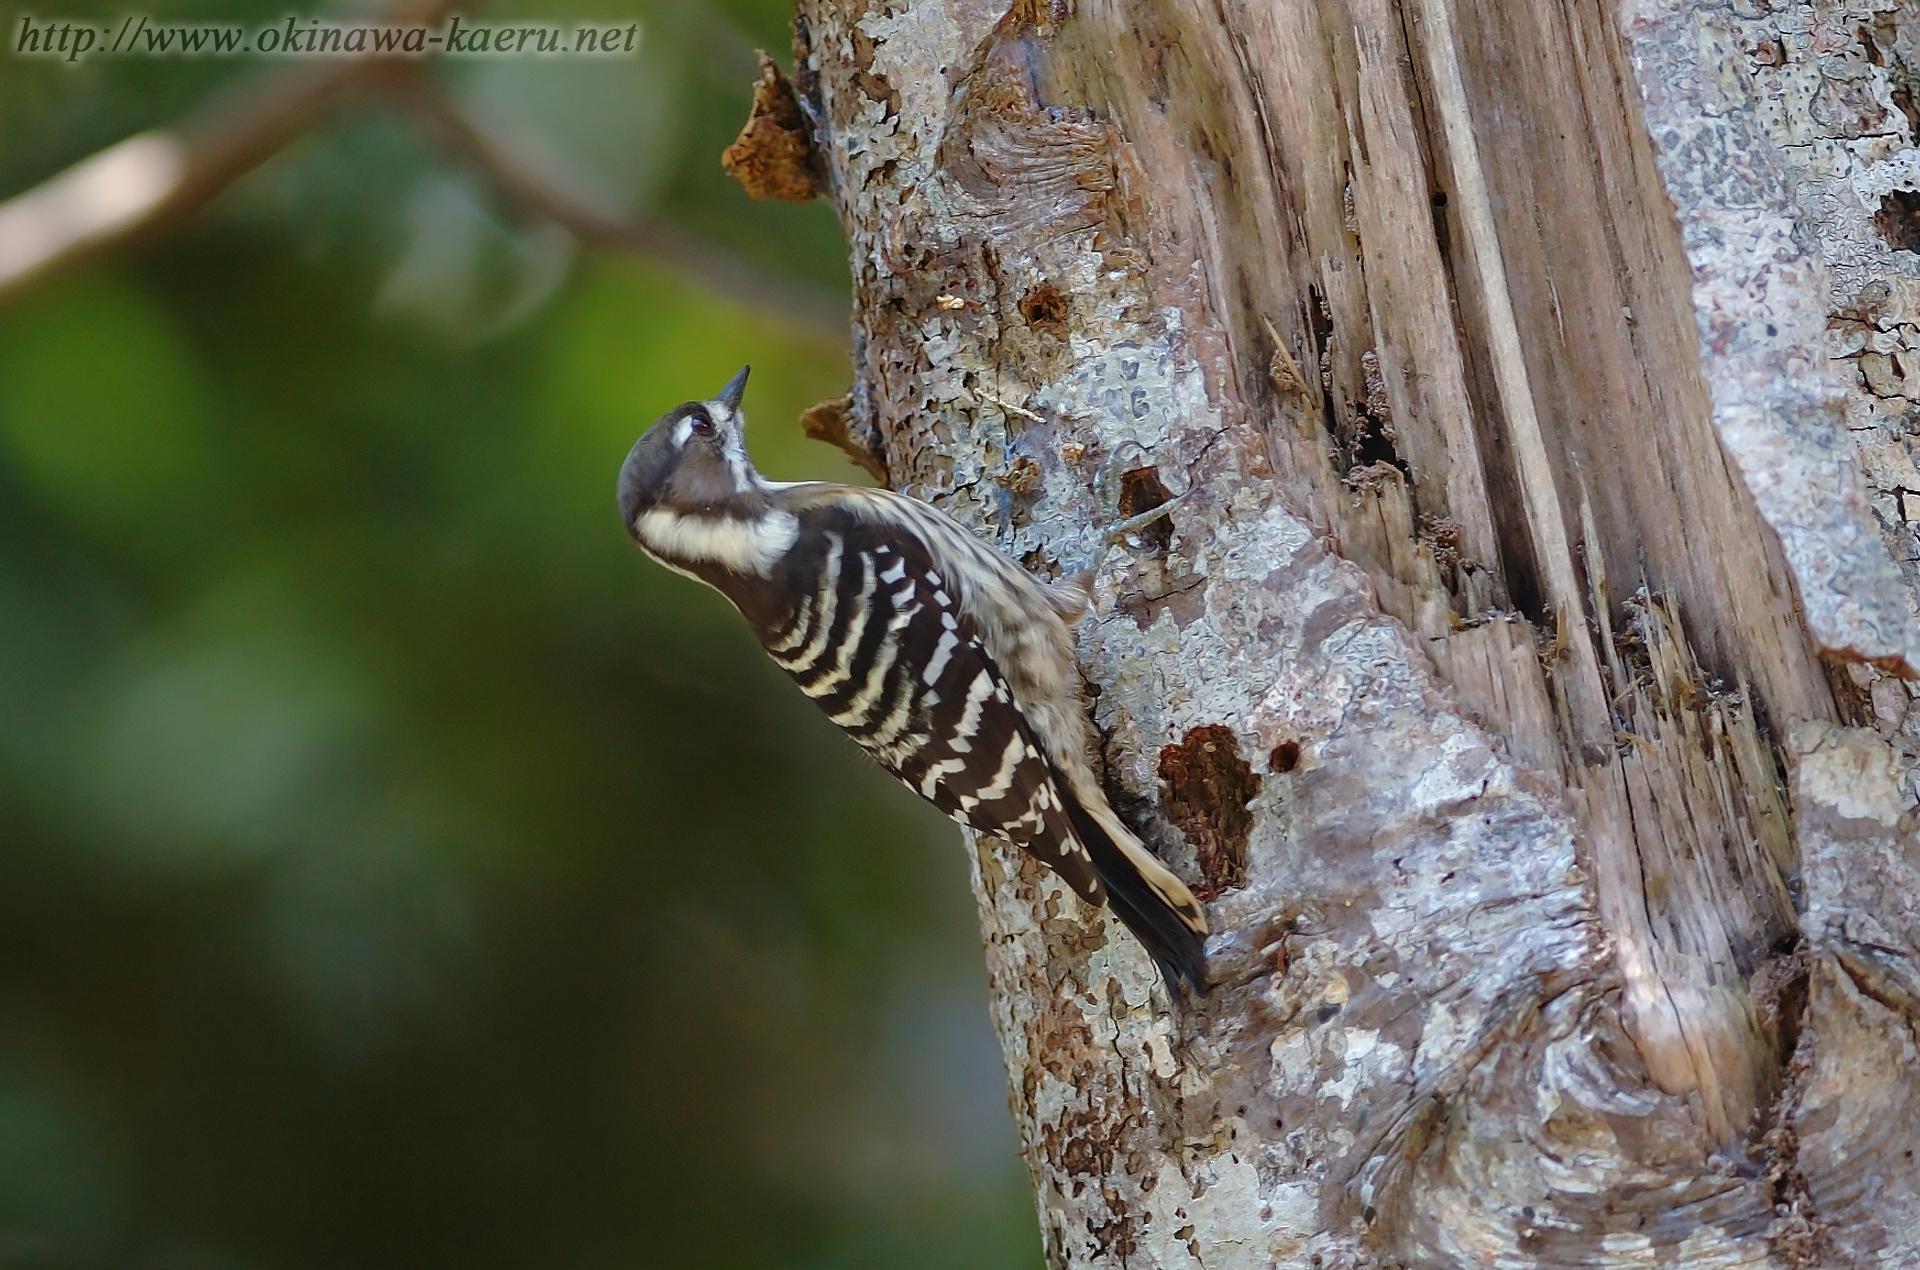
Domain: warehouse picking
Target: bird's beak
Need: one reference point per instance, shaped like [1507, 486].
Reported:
[735, 389]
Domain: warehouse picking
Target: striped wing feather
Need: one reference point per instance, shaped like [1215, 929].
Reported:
[942, 721]
[888, 648]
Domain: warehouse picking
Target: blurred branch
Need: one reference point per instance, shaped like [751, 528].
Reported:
[513, 177]
[153, 182]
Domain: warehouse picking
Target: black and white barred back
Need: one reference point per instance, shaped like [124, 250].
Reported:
[945, 661]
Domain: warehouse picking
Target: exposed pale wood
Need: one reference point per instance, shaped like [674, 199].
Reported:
[1546, 952]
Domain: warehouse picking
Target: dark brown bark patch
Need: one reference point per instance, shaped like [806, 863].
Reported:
[873, 87]
[1207, 787]
[1898, 220]
[774, 155]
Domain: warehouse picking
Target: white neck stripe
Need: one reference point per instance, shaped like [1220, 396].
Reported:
[744, 545]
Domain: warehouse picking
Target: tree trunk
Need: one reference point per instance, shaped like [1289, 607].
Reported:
[1526, 685]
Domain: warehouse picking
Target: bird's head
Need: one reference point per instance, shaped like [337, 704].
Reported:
[693, 461]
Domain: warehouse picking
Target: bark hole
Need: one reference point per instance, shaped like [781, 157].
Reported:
[1208, 786]
[1898, 220]
[1045, 310]
[1320, 326]
[1798, 1236]
[1780, 998]
[1285, 757]
[1142, 490]
[1371, 436]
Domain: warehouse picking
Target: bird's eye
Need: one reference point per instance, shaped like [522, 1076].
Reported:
[702, 425]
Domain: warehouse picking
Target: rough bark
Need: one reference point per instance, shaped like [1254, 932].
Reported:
[1527, 683]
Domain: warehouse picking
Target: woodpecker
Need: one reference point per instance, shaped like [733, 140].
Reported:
[948, 663]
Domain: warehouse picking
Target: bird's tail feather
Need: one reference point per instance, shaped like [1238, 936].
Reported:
[1171, 937]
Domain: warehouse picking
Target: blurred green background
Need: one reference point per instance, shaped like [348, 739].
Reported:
[396, 868]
